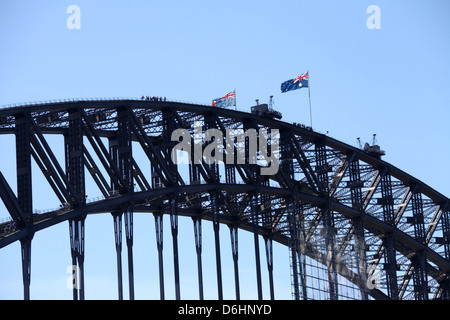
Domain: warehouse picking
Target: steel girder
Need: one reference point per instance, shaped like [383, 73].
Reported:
[339, 209]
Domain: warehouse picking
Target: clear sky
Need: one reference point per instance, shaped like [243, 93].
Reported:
[393, 81]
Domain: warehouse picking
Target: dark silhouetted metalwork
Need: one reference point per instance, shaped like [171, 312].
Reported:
[355, 226]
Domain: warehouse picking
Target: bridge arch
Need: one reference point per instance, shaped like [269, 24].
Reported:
[346, 209]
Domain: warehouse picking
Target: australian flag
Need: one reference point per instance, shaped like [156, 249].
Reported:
[227, 100]
[302, 81]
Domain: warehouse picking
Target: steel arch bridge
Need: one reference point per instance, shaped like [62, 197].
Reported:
[347, 217]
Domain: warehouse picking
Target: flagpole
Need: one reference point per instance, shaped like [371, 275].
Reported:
[235, 97]
[309, 96]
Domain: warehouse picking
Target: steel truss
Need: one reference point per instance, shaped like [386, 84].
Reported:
[356, 227]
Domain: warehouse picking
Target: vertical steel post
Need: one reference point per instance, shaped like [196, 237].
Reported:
[25, 245]
[117, 216]
[216, 225]
[198, 247]
[75, 176]
[418, 219]
[24, 193]
[174, 227]
[269, 256]
[296, 252]
[117, 219]
[230, 178]
[419, 261]
[159, 244]
[256, 242]
[194, 178]
[391, 265]
[210, 123]
[293, 214]
[75, 158]
[389, 238]
[327, 217]
[355, 184]
[445, 222]
[168, 126]
[128, 216]
[76, 230]
[157, 182]
[266, 208]
[121, 153]
[234, 251]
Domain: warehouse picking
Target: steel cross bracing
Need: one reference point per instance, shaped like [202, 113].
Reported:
[355, 226]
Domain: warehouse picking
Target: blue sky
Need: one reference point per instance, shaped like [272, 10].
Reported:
[392, 81]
